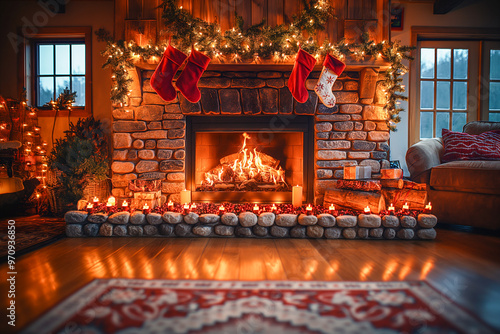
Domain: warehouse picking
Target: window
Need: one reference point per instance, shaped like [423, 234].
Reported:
[491, 82]
[59, 66]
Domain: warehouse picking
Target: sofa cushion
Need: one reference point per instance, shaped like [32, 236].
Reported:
[463, 146]
[467, 176]
[478, 127]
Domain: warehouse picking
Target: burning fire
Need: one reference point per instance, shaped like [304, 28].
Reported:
[246, 170]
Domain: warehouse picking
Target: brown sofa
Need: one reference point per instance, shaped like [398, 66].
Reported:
[461, 192]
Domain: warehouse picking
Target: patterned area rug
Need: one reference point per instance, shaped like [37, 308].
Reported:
[31, 233]
[161, 306]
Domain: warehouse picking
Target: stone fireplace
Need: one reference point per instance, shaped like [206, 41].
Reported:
[179, 141]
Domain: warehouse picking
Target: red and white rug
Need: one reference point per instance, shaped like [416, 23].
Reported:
[161, 306]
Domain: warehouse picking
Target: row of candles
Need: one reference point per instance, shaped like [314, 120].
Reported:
[191, 207]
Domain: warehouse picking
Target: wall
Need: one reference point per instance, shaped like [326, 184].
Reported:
[98, 14]
[470, 13]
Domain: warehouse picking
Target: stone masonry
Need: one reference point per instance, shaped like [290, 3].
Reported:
[149, 134]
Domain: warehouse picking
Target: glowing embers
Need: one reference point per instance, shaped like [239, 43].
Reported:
[247, 170]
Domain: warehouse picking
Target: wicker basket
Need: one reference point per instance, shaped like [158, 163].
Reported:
[100, 189]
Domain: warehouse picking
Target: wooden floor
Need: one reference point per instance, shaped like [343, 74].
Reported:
[464, 266]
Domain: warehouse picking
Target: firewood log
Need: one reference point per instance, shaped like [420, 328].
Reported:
[392, 183]
[355, 200]
[416, 199]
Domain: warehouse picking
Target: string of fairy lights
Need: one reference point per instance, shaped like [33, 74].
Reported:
[256, 44]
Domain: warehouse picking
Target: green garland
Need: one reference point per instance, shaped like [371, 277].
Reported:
[257, 42]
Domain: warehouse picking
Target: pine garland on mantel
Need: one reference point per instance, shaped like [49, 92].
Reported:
[254, 44]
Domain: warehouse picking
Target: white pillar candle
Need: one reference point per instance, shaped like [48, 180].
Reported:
[185, 196]
[297, 196]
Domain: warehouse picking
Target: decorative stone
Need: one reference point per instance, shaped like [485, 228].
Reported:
[210, 101]
[358, 126]
[268, 75]
[175, 177]
[424, 220]
[346, 221]
[137, 144]
[165, 154]
[285, 101]
[308, 107]
[122, 167]
[214, 82]
[356, 135]
[243, 231]
[298, 232]
[176, 133]
[129, 126]
[322, 135]
[152, 98]
[334, 144]
[138, 218]
[191, 218]
[230, 101]
[330, 155]
[74, 230]
[363, 233]
[171, 188]
[408, 222]
[269, 100]
[120, 154]
[106, 230]
[132, 155]
[120, 230]
[307, 220]
[379, 136]
[119, 218]
[358, 155]
[209, 218]
[135, 230]
[279, 232]
[172, 217]
[370, 126]
[260, 231]
[349, 233]
[179, 154]
[332, 233]
[166, 229]
[189, 108]
[150, 230]
[182, 230]
[371, 220]
[229, 219]
[405, 233]
[343, 126]
[97, 218]
[377, 155]
[390, 221]
[326, 220]
[389, 233]
[427, 233]
[171, 165]
[315, 231]
[247, 219]
[250, 101]
[247, 83]
[224, 230]
[346, 97]
[322, 109]
[152, 134]
[146, 155]
[275, 83]
[375, 165]
[123, 113]
[286, 220]
[154, 125]
[203, 231]
[324, 173]
[154, 218]
[266, 219]
[146, 166]
[122, 140]
[75, 217]
[333, 118]
[374, 113]
[172, 111]
[174, 124]
[376, 232]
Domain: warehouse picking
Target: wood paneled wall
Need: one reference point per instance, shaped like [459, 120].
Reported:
[141, 21]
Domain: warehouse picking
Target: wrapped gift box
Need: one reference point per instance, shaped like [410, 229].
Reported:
[357, 172]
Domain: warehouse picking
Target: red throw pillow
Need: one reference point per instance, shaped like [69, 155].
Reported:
[463, 146]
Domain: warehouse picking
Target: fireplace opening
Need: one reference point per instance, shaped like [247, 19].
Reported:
[249, 158]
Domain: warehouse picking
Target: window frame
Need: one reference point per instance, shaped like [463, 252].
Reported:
[29, 65]
[419, 33]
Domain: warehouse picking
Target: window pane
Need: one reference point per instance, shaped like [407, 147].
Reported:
[459, 95]
[495, 116]
[444, 63]
[494, 64]
[427, 63]
[61, 84]
[442, 122]
[78, 59]
[460, 61]
[443, 95]
[62, 59]
[79, 88]
[45, 59]
[494, 95]
[426, 124]
[46, 90]
[459, 119]
[426, 95]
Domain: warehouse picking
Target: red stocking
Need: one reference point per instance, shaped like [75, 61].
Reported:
[304, 64]
[161, 80]
[187, 82]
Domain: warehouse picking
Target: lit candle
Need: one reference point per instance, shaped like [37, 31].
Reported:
[96, 200]
[428, 208]
[170, 205]
[145, 209]
[111, 201]
[221, 209]
[309, 209]
[391, 209]
[90, 206]
[193, 207]
[274, 208]
[367, 210]
[297, 196]
[256, 209]
[406, 208]
[185, 196]
[125, 205]
[331, 209]
[186, 208]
